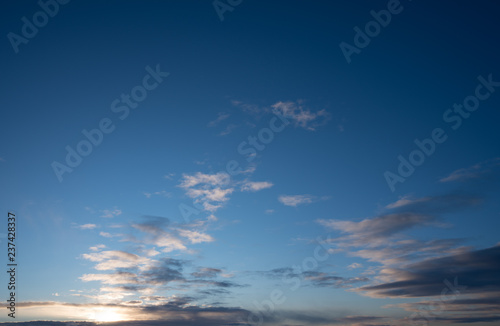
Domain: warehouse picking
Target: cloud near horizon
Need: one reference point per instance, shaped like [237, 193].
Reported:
[129, 276]
[412, 268]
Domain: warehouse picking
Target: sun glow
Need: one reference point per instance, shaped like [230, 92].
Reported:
[103, 315]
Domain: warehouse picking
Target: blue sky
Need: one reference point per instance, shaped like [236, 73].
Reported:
[229, 163]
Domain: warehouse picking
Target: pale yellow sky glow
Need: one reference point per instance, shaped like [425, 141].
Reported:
[76, 312]
[111, 313]
[106, 314]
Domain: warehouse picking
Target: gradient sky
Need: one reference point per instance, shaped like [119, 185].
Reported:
[245, 171]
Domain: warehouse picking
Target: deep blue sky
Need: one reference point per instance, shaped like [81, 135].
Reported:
[111, 240]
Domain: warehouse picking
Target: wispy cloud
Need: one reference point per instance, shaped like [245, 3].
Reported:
[113, 259]
[90, 210]
[319, 279]
[354, 266]
[107, 234]
[169, 176]
[313, 278]
[388, 229]
[405, 200]
[256, 186]
[221, 116]
[472, 172]
[205, 272]
[212, 191]
[229, 128]
[251, 109]
[295, 200]
[218, 179]
[409, 268]
[377, 230]
[109, 213]
[195, 236]
[112, 279]
[97, 247]
[87, 226]
[211, 195]
[476, 270]
[157, 236]
[161, 233]
[435, 204]
[161, 193]
[301, 116]
[297, 112]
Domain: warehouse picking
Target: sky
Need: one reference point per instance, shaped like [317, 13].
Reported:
[264, 163]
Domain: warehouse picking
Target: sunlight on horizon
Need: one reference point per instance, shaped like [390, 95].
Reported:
[107, 315]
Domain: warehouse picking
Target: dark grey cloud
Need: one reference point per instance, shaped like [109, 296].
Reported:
[469, 320]
[312, 278]
[404, 215]
[440, 204]
[168, 271]
[495, 300]
[401, 252]
[218, 284]
[463, 282]
[377, 230]
[329, 280]
[476, 271]
[206, 272]
[304, 317]
[153, 223]
[278, 273]
[214, 292]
